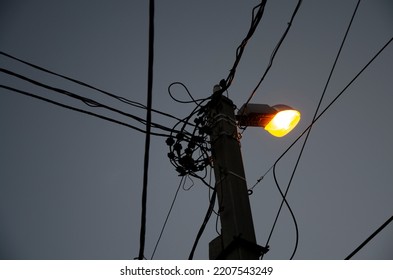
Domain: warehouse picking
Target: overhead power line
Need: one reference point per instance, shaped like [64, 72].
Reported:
[327, 107]
[182, 183]
[305, 140]
[204, 223]
[273, 55]
[256, 18]
[22, 92]
[88, 101]
[107, 93]
[148, 130]
[369, 238]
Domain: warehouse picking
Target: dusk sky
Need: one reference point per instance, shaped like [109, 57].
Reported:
[71, 184]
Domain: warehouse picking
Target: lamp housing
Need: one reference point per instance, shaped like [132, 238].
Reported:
[278, 120]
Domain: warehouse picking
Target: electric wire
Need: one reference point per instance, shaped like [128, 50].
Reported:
[205, 221]
[332, 102]
[256, 18]
[142, 238]
[369, 238]
[88, 101]
[284, 199]
[251, 189]
[22, 92]
[182, 183]
[119, 98]
[275, 51]
[190, 139]
[306, 138]
[217, 213]
[195, 101]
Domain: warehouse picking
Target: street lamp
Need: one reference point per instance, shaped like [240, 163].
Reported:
[237, 239]
[278, 120]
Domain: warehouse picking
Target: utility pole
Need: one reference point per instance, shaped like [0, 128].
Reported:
[237, 240]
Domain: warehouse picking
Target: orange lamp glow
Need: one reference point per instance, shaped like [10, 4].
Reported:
[278, 120]
[283, 122]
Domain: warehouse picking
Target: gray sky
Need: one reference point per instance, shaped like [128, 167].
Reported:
[70, 184]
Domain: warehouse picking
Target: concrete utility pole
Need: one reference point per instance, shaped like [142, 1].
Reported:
[237, 239]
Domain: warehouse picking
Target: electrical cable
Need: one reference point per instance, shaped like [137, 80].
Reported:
[275, 51]
[182, 182]
[195, 101]
[205, 221]
[78, 110]
[369, 238]
[142, 238]
[87, 101]
[119, 98]
[217, 213]
[185, 144]
[308, 133]
[284, 199]
[333, 101]
[256, 18]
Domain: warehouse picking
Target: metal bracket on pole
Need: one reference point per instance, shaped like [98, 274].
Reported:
[240, 242]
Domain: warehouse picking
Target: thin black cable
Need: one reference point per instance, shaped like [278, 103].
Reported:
[182, 182]
[217, 213]
[88, 101]
[275, 51]
[205, 221]
[256, 18]
[284, 199]
[121, 99]
[369, 238]
[251, 190]
[309, 130]
[78, 110]
[148, 130]
[195, 101]
[333, 101]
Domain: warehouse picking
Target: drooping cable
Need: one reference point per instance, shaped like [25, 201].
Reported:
[284, 200]
[22, 92]
[369, 238]
[275, 51]
[148, 131]
[189, 152]
[308, 133]
[121, 99]
[182, 182]
[204, 223]
[88, 101]
[195, 101]
[256, 18]
[332, 102]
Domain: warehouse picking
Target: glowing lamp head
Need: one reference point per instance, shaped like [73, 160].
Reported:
[278, 120]
[283, 122]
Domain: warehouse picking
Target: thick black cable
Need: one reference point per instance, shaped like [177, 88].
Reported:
[275, 51]
[88, 101]
[369, 238]
[182, 182]
[332, 102]
[309, 130]
[204, 223]
[284, 199]
[78, 110]
[121, 99]
[195, 101]
[148, 130]
[256, 18]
